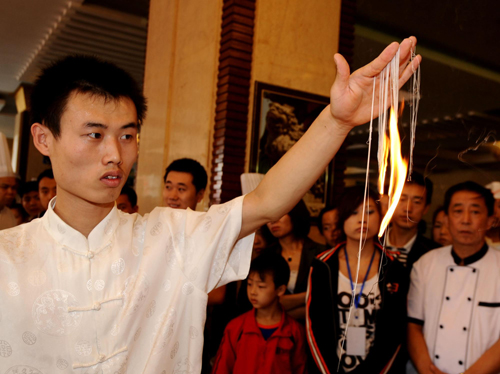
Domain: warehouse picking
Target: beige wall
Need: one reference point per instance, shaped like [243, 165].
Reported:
[294, 44]
[180, 84]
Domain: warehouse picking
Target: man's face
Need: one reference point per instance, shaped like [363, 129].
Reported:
[262, 292]
[180, 192]
[31, 203]
[8, 190]
[329, 226]
[47, 189]
[95, 151]
[468, 219]
[123, 203]
[411, 207]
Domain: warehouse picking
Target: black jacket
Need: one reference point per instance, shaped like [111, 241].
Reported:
[322, 315]
[420, 247]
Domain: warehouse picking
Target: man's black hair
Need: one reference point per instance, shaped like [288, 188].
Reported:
[80, 74]
[419, 179]
[350, 200]
[131, 195]
[193, 167]
[28, 187]
[470, 186]
[273, 264]
[325, 210]
[301, 220]
[45, 174]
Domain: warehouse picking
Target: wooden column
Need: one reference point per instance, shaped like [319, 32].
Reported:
[233, 91]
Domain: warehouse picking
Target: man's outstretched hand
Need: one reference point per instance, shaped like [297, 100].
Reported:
[351, 94]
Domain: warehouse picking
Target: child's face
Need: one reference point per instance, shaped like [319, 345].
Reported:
[262, 292]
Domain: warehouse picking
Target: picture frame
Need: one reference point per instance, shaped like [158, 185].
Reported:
[280, 118]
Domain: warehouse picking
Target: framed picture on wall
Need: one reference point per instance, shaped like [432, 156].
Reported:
[280, 118]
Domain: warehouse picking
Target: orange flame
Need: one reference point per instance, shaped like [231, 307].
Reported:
[398, 171]
[383, 165]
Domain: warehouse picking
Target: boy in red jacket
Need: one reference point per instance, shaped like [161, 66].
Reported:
[264, 340]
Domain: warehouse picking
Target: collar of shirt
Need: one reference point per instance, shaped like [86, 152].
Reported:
[406, 247]
[74, 241]
[471, 259]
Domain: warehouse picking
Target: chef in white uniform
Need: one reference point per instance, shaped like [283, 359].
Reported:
[454, 297]
[88, 289]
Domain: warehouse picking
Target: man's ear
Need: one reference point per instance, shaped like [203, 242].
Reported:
[42, 136]
[281, 290]
[200, 194]
[491, 221]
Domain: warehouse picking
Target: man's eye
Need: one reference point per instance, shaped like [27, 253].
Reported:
[182, 189]
[95, 135]
[127, 137]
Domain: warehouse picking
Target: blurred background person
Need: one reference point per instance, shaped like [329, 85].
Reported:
[299, 251]
[440, 231]
[47, 188]
[30, 199]
[493, 234]
[328, 219]
[127, 201]
[19, 213]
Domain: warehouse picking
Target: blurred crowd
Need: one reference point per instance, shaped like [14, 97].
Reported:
[353, 302]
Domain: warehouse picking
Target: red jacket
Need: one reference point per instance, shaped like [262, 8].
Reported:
[244, 350]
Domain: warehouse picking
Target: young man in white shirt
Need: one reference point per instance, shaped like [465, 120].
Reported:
[454, 298]
[404, 237]
[90, 288]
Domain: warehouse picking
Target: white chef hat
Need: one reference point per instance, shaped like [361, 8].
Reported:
[494, 187]
[5, 164]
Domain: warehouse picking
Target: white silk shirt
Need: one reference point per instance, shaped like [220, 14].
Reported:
[130, 298]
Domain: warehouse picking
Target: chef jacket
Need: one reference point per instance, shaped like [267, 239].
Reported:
[458, 306]
[130, 298]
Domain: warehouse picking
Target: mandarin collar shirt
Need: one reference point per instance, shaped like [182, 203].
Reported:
[458, 306]
[130, 298]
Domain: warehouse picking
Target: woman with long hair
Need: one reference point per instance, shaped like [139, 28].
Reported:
[356, 297]
[299, 251]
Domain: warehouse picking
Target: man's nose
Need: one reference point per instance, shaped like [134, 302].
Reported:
[112, 151]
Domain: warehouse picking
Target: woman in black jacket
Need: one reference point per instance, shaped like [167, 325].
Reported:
[299, 251]
[360, 334]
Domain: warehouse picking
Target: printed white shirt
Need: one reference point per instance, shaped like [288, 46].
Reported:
[130, 298]
[459, 306]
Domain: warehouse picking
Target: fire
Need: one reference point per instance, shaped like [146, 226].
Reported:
[399, 169]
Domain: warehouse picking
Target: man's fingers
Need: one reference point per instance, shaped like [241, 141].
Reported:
[343, 72]
[409, 70]
[376, 66]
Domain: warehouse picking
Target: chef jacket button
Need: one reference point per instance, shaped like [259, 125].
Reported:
[460, 363]
[451, 269]
[469, 299]
[465, 328]
[437, 356]
[447, 298]
[473, 270]
[441, 326]
[97, 305]
[102, 358]
[90, 255]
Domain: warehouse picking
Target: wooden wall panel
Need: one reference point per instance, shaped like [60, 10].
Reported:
[233, 91]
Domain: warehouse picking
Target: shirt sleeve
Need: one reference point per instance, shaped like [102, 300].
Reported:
[416, 294]
[205, 245]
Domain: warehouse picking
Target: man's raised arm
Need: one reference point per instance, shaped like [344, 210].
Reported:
[350, 106]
